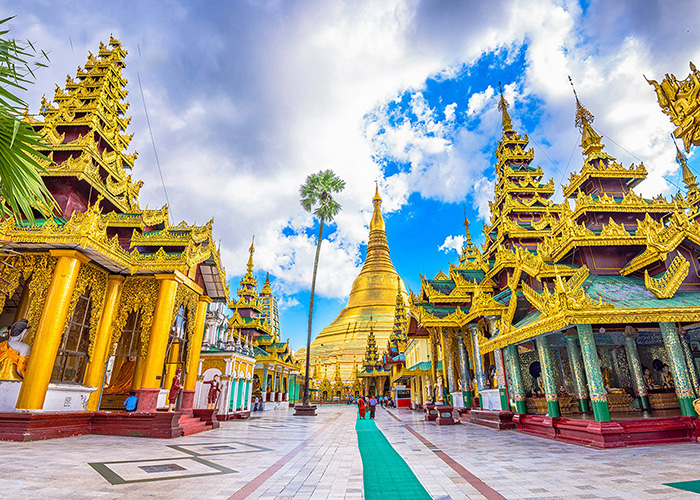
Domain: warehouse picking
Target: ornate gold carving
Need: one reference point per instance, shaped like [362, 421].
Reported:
[90, 280]
[139, 293]
[665, 286]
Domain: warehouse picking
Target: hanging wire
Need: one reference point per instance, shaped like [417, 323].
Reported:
[153, 142]
[637, 157]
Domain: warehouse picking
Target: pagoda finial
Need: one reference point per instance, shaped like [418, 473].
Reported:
[250, 259]
[691, 184]
[377, 222]
[503, 108]
[466, 226]
[583, 116]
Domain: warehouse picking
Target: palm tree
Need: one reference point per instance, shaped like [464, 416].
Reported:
[21, 188]
[317, 198]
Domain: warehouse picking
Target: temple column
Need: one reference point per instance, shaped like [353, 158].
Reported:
[548, 379]
[449, 349]
[433, 365]
[137, 379]
[157, 343]
[23, 306]
[577, 371]
[640, 388]
[516, 378]
[599, 396]
[501, 375]
[690, 362]
[478, 364]
[273, 390]
[195, 350]
[467, 392]
[50, 329]
[445, 363]
[95, 370]
[264, 385]
[681, 379]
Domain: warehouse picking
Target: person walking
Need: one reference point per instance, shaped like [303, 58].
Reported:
[361, 408]
[372, 407]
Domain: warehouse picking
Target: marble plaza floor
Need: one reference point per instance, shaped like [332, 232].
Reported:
[277, 455]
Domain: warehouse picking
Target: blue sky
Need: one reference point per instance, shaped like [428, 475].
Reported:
[247, 99]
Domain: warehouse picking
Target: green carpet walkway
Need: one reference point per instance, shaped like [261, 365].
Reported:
[385, 474]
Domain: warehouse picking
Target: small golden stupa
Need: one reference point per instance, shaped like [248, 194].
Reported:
[372, 301]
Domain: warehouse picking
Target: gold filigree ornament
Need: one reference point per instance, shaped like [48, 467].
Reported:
[139, 293]
[667, 285]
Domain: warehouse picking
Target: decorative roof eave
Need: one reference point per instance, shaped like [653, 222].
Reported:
[630, 203]
[567, 318]
[633, 175]
[554, 248]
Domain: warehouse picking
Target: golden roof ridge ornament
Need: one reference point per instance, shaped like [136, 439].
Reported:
[503, 108]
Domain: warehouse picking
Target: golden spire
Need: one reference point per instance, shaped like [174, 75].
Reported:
[377, 223]
[503, 108]
[691, 184]
[267, 289]
[250, 259]
[590, 139]
[466, 227]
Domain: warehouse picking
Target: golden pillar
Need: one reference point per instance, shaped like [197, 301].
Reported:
[23, 306]
[195, 346]
[157, 343]
[433, 364]
[94, 373]
[138, 373]
[445, 361]
[51, 326]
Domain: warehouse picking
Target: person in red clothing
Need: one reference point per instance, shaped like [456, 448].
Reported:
[361, 407]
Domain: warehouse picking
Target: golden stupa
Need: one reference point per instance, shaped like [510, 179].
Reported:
[372, 300]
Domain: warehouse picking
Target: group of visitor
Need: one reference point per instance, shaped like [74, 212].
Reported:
[370, 402]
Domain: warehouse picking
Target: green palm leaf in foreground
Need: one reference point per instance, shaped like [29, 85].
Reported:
[317, 198]
[21, 186]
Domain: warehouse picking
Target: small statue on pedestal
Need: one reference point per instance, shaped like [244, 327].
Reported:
[214, 391]
[14, 353]
[174, 390]
[438, 389]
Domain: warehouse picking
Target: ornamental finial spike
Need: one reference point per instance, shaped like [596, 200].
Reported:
[583, 116]
[250, 259]
[503, 108]
[466, 226]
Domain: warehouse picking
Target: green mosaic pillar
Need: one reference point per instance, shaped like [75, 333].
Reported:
[478, 365]
[263, 396]
[247, 385]
[690, 362]
[273, 392]
[467, 392]
[599, 396]
[232, 395]
[501, 375]
[637, 375]
[239, 389]
[548, 380]
[577, 370]
[516, 379]
[684, 389]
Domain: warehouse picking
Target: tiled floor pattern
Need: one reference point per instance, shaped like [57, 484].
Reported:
[322, 461]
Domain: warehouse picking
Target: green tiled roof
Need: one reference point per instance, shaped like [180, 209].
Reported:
[425, 366]
[626, 292]
[475, 276]
[443, 286]
[439, 312]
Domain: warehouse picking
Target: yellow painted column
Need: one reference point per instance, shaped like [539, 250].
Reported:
[23, 306]
[50, 328]
[157, 343]
[138, 373]
[195, 346]
[94, 373]
[445, 381]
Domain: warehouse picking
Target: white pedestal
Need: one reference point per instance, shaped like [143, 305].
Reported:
[457, 399]
[162, 401]
[491, 399]
[59, 397]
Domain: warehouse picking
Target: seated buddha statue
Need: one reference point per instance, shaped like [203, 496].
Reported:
[14, 354]
[607, 381]
[649, 380]
[666, 378]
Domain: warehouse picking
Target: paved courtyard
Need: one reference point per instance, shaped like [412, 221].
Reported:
[276, 455]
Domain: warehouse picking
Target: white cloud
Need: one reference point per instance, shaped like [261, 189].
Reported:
[452, 243]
